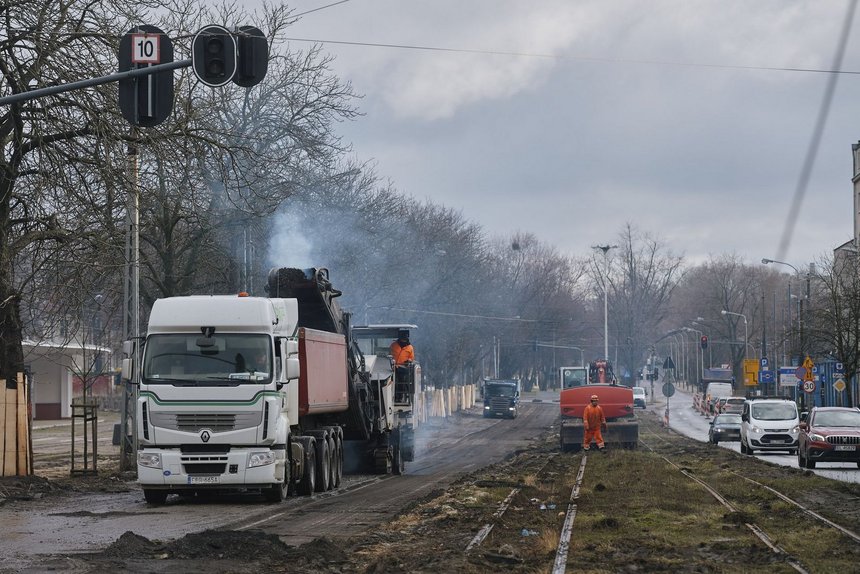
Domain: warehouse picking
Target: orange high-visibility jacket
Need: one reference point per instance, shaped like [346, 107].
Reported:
[593, 417]
[402, 354]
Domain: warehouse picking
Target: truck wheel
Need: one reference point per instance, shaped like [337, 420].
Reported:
[307, 485]
[153, 496]
[332, 467]
[323, 480]
[337, 460]
[277, 492]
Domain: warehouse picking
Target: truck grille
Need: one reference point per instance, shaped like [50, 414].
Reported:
[499, 403]
[215, 422]
[204, 464]
[841, 439]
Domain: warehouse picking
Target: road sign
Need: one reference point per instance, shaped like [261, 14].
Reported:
[750, 372]
[839, 368]
[145, 48]
[809, 386]
[807, 363]
[148, 100]
[668, 389]
[763, 362]
[839, 385]
[765, 376]
[668, 363]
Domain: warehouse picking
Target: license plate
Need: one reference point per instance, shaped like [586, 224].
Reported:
[845, 447]
[204, 479]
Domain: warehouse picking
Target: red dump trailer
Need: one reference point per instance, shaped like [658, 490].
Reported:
[622, 426]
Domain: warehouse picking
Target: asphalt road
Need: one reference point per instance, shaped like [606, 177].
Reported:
[445, 450]
[685, 420]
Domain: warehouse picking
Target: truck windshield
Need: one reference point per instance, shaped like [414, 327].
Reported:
[231, 358]
[499, 390]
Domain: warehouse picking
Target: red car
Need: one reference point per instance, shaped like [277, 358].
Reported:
[829, 434]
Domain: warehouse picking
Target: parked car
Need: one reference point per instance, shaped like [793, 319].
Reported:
[725, 427]
[829, 434]
[639, 397]
[769, 424]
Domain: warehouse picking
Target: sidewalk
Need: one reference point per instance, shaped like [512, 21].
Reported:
[104, 417]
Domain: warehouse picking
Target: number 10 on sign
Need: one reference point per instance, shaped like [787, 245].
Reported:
[144, 49]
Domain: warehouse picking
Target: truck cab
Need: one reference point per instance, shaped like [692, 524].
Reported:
[501, 398]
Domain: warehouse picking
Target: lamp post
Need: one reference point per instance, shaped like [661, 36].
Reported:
[605, 249]
[746, 329]
[701, 351]
[765, 261]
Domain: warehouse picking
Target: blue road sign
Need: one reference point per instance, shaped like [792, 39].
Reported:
[765, 376]
[839, 368]
[763, 362]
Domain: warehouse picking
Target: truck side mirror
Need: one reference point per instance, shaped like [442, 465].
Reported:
[127, 371]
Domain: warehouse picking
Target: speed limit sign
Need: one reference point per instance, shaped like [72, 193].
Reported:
[809, 386]
[145, 49]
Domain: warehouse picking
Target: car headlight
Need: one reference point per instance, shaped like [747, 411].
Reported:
[487, 407]
[149, 459]
[261, 459]
[817, 437]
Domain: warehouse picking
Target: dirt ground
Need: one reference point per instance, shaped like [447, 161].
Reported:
[639, 516]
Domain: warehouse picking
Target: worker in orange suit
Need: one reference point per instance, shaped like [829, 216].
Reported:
[594, 421]
[401, 349]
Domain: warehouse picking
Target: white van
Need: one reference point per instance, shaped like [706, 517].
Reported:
[769, 424]
[716, 391]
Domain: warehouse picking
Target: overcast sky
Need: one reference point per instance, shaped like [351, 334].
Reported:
[655, 113]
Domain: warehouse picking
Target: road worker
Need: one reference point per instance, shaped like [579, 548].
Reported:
[403, 355]
[401, 349]
[593, 420]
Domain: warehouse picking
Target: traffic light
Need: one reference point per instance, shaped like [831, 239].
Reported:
[704, 341]
[213, 55]
[253, 56]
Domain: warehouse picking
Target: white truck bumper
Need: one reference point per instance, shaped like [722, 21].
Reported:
[178, 471]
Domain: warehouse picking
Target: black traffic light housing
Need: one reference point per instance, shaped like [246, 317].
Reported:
[213, 56]
[253, 56]
[704, 341]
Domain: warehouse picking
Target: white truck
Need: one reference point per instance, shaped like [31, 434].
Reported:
[265, 394]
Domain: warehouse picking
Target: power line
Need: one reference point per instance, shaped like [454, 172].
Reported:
[834, 71]
[320, 8]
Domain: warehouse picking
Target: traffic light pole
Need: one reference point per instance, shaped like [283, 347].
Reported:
[52, 90]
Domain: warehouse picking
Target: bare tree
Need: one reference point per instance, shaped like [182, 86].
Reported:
[834, 320]
[641, 280]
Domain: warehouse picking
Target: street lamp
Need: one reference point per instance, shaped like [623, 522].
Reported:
[702, 351]
[800, 302]
[746, 329]
[605, 249]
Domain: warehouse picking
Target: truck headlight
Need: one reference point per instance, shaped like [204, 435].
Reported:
[486, 407]
[261, 459]
[149, 459]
